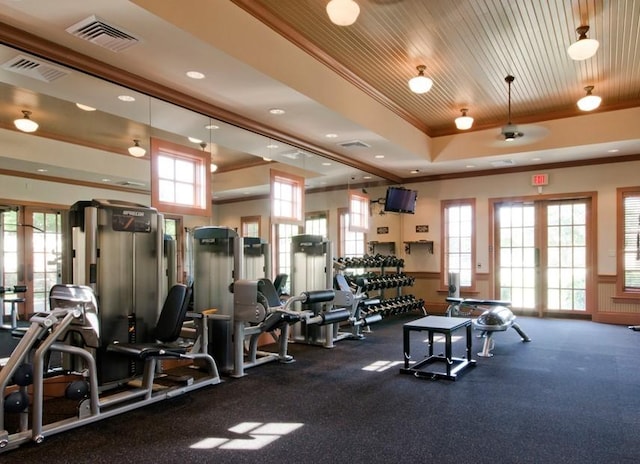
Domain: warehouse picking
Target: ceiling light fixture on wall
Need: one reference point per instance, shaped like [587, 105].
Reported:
[583, 48]
[343, 12]
[420, 83]
[25, 123]
[589, 102]
[136, 150]
[464, 122]
[510, 131]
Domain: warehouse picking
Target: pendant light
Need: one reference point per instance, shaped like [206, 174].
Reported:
[136, 150]
[589, 102]
[343, 12]
[583, 48]
[420, 83]
[510, 131]
[25, 123]
[464, 122]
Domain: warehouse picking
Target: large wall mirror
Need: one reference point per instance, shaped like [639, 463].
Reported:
[86, 126]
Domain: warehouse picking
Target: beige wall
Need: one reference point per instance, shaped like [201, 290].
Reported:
[603, 179]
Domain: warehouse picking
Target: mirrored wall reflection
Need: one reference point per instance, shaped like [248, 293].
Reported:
[94, 131]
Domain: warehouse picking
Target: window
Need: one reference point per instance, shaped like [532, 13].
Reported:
[316, 224]
[352, 244]
[180, 180]
[282, 239]
[628, 225]
[173, 229]
[250, 226]
[286, 198]
[10, 252]
[458, 251]
[358, 212]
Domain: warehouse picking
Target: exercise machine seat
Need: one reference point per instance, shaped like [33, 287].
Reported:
[279, 282]
[166, 331]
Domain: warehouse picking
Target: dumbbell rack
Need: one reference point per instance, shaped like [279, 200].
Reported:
[370, 286]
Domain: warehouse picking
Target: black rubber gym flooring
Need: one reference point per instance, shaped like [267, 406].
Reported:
[572, 395]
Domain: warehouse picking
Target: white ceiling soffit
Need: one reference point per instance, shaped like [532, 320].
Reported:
[98, 31]
[36, 69]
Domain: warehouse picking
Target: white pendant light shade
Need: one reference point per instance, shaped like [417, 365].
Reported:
[25, 123]
[213, 167]
[584, 48]
[420, 83]
[464, 122]
[343, 12]
[136, 150]
[589, 102]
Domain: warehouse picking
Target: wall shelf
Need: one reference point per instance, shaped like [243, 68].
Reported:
[427, 243]
[389, 247]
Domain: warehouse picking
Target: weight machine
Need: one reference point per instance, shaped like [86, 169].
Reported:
[72, 328]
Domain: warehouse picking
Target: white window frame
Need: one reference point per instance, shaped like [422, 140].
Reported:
[452, 233]
[201, 183]
[628, 241]
[287, 198]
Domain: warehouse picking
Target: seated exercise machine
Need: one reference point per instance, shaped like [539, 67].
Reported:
[359, 318]
[72, 329]
[258, 310]
[320, 312]
[496, 317]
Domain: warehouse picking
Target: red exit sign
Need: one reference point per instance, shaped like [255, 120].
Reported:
[539, 179]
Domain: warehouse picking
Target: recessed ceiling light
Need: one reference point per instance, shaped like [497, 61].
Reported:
[536, 159]
[195, 75]
[276, 111]
[272, 145]
[42, 170]
[379, 156]
[126, 98]
[85, 107]
[414, 171]
[331, 136]
[211, 127]
[326, 164]
[194, 140]
[469, 166]
[106, 180]
[613, 150]
[246, 193]
[367, 177]
[264, 158]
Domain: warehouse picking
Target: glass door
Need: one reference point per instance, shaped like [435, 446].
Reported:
[31, 255]
[543, 254]
[43, 236]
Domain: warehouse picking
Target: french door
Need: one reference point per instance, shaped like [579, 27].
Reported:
[31, 254]
[544, 254]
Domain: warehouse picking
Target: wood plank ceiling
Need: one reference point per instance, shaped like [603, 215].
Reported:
[468, 48]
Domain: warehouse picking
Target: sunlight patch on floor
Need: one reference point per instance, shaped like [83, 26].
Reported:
[258, 434]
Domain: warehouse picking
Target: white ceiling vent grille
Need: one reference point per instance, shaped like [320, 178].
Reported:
[31, 67]
[294, 155]
[131, 183]
[99, 32]
[354, 144]
[503, 163]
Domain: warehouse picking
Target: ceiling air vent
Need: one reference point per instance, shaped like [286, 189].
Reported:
[354, 144]
[99, 32]
[502, 163]
[131, 183]
[31, 67]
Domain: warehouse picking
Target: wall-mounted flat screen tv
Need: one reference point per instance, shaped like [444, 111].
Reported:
[400, 200]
